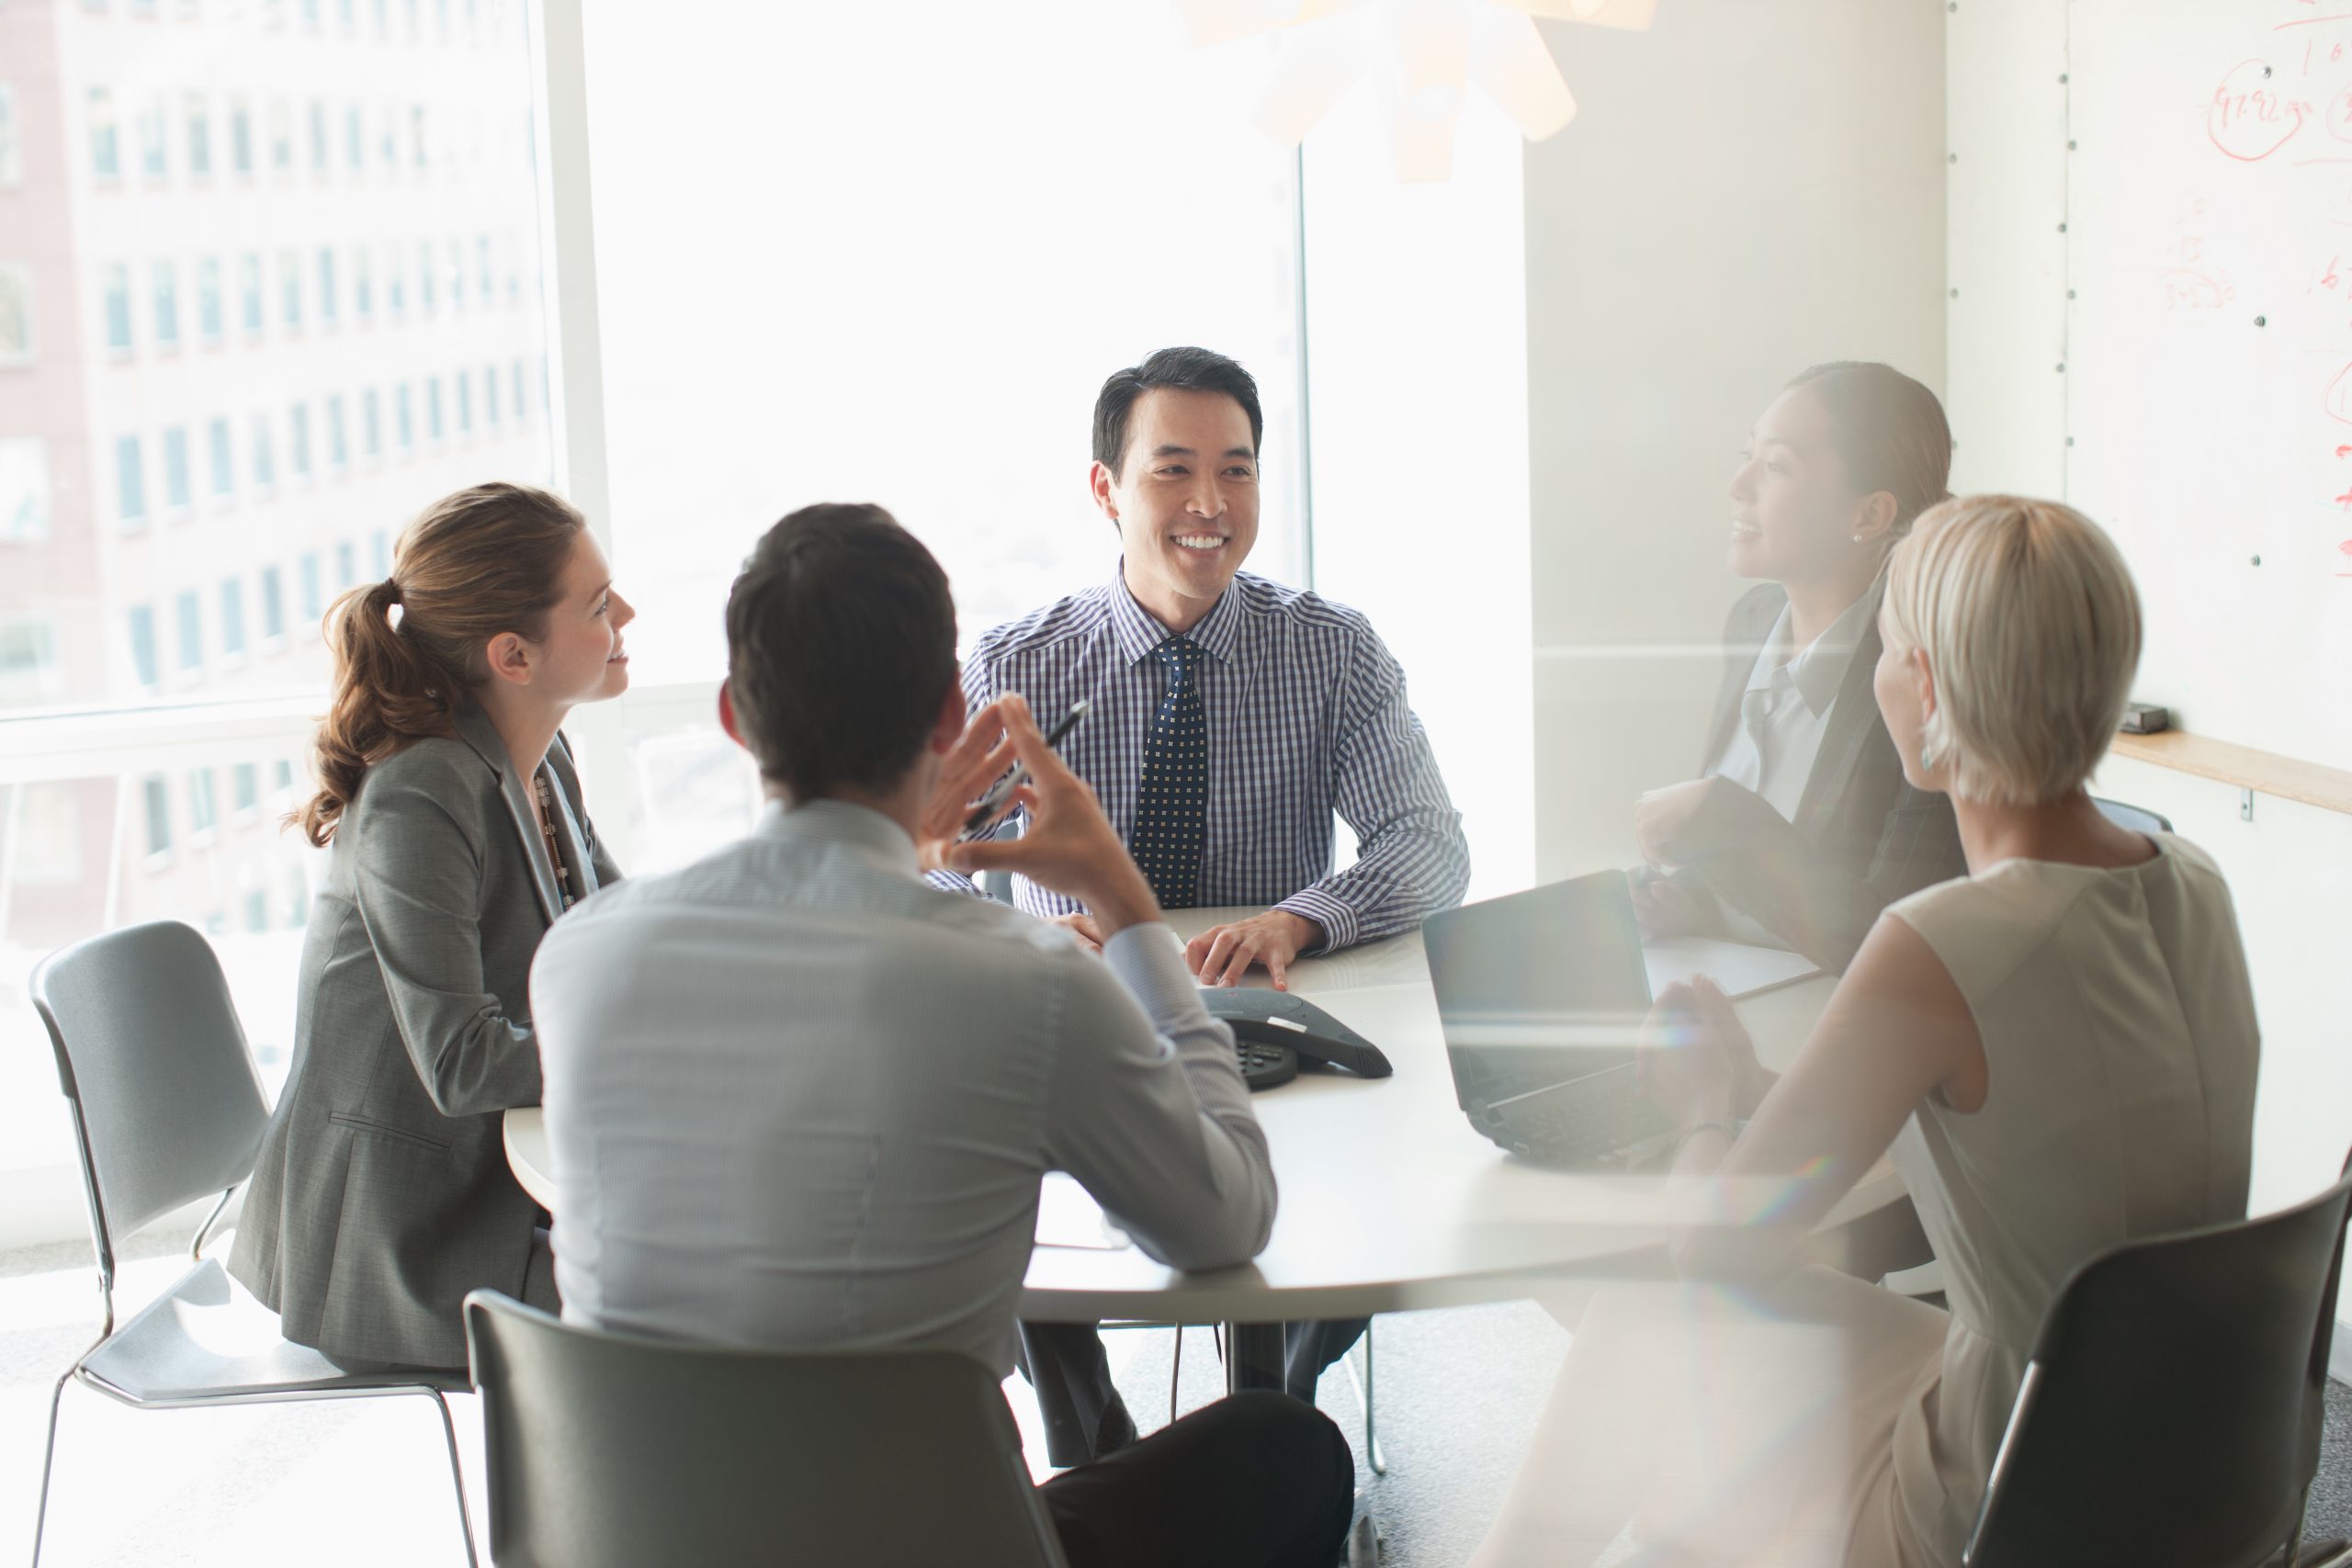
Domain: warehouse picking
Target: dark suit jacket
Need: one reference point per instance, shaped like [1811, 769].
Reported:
[1863, 837]
[382, 1194]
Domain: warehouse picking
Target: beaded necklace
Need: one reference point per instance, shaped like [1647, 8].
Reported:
[555, 853]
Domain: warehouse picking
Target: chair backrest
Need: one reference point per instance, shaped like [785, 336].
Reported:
[167, 1108]
[2171, 1411]
[2138, 818]
[613, 1451]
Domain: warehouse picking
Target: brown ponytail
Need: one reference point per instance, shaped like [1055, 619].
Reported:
[482, 561]
[1891, 433]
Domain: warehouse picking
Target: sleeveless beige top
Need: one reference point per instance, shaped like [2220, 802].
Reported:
[2119, 1026]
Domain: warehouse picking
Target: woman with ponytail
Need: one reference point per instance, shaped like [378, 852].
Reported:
[448, 797]
[1802, 828]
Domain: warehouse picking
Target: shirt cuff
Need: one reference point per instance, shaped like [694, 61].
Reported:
[1338, 920]
[1149, 961]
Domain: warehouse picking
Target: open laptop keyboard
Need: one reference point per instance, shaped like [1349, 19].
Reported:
[1599, 1119]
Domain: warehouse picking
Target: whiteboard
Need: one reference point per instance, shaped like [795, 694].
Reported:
[2208, 355]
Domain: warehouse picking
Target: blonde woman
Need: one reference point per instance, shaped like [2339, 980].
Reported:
[382, 1194]
[2059, 1049]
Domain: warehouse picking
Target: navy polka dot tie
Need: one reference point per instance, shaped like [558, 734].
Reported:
[1172, 806]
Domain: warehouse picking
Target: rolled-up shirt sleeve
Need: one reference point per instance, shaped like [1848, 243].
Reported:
[1148, 1108]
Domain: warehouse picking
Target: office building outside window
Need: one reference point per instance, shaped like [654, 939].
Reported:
[490, 394]
[191, 622]
[290, 280]
[318, 138]
[241, 137]
[313, 594]
[354, 139]
[432, 409]
[425, 277]
[203, 812]
[338, 449]
[115, 287]
[371, 432]
[465, 402]
[143, 671]
[153, 131]
[176, 489]
[264, 457]
[404, 419]
[167, 305]
[200, 136]
[159, 817]
[281, 137]
[249, 290]
[12, 146]
[273, 604]
[209, 320]
[297, 444]
[130, 481]
[24, 489]
[16, 313]
[346, 565]
[363, 285]
[395, 283]
[244, 787]
[218, 439]
[105, 153]
[327, 302]
[233, 616]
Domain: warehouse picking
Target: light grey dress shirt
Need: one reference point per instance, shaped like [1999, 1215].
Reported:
[798, 1097]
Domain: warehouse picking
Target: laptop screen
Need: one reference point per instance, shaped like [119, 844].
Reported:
[1539, 989]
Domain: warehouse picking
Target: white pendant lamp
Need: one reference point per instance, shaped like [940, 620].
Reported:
[1425, 56]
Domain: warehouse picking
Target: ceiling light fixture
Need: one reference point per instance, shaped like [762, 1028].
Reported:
[1425, 55]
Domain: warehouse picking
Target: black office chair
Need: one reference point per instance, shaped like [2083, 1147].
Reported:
[2139, 820]
[2170, 1417]
[614, 1451]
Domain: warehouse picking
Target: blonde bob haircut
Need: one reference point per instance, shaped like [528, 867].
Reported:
[2031, 629]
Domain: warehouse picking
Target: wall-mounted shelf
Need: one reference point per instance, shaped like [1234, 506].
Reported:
[2264, 773]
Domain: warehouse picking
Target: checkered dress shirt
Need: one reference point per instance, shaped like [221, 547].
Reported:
[1306, 718]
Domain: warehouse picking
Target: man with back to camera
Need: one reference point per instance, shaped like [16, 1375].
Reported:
[1231, 718]
[799, 1098]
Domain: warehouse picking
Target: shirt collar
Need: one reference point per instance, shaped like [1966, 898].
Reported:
[1818, 671]
[1139, 631]
[842, 823]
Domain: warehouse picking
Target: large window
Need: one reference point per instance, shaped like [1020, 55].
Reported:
[158, 574]
[910, 275]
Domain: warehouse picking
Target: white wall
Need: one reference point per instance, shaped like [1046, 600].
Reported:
[1749, 189]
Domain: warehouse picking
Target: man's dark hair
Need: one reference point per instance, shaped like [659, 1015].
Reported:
[841, 644]
[1180, 369]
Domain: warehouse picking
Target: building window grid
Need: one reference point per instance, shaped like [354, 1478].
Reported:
[154, 159]
[318, 117]
[241, 137]
[313, 597]
[289, 273]
[159, 816]
[143, 670]
[264, 457]
[465, 380]
[297, 443]
[203, 807]
[248, 286]
[363, 283]
[338, 447]
[489, 395]
[327, 300]
[354, 139]
[433, 408]
[371, 424]
[106, 142]
[404, 419]
[273, 604]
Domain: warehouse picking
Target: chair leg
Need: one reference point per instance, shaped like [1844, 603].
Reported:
[457, 1475]
[48, 1463]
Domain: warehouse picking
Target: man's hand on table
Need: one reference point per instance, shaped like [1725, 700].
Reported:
[1222, 954]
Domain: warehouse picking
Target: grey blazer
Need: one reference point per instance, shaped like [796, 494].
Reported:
[1864, 837]
[382, 1194]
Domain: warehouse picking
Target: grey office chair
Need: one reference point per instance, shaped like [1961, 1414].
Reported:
[166, 1111]
[2137, 818]
[2170, 1415]
[614, 1451]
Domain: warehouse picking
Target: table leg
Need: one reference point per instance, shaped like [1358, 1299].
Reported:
[1253, 1356]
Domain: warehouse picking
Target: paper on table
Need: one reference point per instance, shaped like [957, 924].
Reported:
[1067, 1215]
[1739, 969]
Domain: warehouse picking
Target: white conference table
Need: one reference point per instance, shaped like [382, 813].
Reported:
[1389, 1198]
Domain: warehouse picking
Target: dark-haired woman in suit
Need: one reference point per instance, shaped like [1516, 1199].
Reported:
[382, 1194]
[1800, 828]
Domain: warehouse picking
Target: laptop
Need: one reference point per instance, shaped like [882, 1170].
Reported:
[1541, 996]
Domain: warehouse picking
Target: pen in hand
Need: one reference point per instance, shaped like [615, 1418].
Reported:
[984, 815]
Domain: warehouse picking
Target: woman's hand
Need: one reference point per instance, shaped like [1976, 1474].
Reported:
[1663, 818]
[1696, 1061]
[1661, 906]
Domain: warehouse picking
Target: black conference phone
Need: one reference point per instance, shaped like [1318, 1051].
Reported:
[1275, 1031]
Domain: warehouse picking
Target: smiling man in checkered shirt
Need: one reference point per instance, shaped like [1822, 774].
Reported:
[1231, 719]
